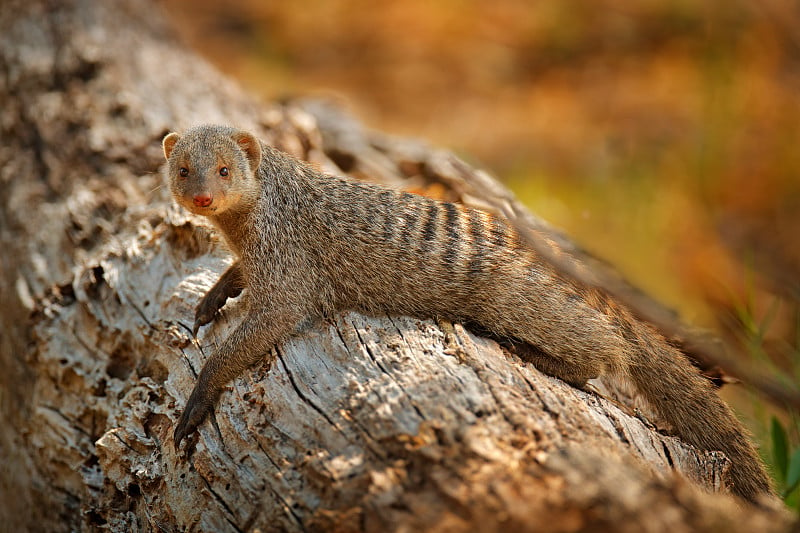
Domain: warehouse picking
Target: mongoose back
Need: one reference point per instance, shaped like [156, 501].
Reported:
[309, 244]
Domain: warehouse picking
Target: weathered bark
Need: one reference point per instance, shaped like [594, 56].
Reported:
[381, 423]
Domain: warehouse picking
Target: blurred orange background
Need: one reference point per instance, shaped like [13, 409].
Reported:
[664, 136]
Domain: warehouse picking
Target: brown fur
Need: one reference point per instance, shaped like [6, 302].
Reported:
[310, 244]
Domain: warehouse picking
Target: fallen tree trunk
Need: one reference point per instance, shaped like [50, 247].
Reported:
[361, 424]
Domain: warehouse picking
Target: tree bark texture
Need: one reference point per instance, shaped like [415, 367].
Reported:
[361, 424]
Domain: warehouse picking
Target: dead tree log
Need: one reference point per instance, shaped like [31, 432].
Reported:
[362, 424]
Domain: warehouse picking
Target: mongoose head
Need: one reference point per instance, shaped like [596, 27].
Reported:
[213, 168]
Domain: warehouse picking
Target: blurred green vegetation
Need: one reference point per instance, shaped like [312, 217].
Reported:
[786, 461]
[662, 135]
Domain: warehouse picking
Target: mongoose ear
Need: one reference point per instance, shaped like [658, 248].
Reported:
[169, 143]
[251, 147]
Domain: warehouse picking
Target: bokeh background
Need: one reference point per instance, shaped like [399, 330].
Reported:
[664, 136]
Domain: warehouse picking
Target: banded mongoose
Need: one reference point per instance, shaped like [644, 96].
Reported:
[310, 244]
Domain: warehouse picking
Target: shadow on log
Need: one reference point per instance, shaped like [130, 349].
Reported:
[361, 424]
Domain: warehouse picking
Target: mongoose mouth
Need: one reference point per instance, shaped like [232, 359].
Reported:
[204, 211]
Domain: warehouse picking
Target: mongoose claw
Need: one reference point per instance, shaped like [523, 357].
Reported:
[196, 411]
[197, 324]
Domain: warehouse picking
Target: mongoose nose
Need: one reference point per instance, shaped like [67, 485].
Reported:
[202, 200]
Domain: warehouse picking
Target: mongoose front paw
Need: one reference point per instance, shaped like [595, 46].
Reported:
[197, 409]
[214, 300]
[207, 310]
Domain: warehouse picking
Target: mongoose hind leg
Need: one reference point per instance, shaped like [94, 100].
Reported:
[229, 285]
[573, 371]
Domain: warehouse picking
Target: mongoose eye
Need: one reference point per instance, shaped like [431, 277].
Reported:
[223, 171]
[183, 172]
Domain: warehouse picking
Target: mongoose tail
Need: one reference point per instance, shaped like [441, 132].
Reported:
[577, 333]
[688, 402]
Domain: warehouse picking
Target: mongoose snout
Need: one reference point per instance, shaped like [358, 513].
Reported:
[202, 200]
